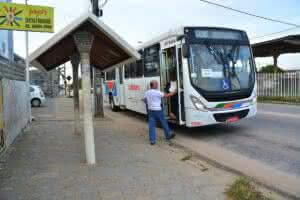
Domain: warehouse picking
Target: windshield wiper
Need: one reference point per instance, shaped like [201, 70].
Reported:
[232, 58]
[218, 57]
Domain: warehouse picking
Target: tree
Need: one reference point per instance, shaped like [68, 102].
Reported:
[270, 69]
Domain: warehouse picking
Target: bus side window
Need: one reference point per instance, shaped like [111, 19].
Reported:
[151, 61]
[108, 76]
[111, 75]
[140, 65]
[140, 68]
[133, 70]
[121, 74]
[127, 71]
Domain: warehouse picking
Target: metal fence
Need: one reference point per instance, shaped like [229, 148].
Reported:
[285, 84]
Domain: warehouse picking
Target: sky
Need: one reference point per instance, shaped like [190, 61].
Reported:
[141, 20]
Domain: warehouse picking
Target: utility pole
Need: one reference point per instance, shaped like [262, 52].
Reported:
[97, 78]
[98, 93]
[65, 78]
[96, 10]
[95, 4]
[27, 77]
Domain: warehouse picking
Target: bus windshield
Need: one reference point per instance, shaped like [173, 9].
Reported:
[221, 68]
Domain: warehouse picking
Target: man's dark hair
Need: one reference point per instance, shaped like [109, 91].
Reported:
[151, 84]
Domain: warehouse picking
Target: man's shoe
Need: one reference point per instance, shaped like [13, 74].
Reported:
[152, 143]
[171, 136]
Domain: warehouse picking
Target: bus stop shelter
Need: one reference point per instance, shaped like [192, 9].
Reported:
[90, 42]
[274, 48]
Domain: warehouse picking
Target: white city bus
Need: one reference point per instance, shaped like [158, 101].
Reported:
[212, 69]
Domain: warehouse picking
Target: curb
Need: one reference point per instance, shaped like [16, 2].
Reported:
[235, 171]
[279, 102]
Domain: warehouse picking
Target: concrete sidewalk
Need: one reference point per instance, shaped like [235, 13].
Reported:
[48, 162]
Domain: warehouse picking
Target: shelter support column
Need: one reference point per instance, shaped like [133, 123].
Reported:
[275, 59]
[98, 93]
[75, 60]
[84, 41]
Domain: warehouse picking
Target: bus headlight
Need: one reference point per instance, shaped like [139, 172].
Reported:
[198, 104]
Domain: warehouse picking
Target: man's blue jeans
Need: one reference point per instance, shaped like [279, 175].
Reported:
[153, 116]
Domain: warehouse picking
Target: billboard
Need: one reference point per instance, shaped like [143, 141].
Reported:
[5, 41]
[22, 17]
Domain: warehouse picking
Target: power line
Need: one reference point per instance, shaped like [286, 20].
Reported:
[296, 26]
[250, 14]
[275, 33]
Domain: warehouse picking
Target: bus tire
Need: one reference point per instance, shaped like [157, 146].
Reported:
[112, 104]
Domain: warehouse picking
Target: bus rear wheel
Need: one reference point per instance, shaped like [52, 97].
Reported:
[112, 104]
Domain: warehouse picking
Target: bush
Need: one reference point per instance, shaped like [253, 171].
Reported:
[270, 69]
[243, 189]
[279, 99]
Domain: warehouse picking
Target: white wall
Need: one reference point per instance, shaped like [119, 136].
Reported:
[15, 108]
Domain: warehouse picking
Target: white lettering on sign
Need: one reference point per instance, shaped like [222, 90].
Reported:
[209, 73]
[206, 73]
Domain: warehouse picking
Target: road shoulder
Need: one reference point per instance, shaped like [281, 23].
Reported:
[280, 182]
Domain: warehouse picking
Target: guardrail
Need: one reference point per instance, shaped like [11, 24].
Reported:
[285, 84]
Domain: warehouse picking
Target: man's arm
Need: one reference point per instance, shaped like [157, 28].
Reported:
[170, 94]
[144, 100]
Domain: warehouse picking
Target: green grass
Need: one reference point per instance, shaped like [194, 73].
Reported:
[295, 100]
[243, 189]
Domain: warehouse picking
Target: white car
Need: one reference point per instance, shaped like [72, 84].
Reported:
[37, 96]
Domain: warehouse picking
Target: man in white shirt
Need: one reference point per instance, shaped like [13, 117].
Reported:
[153, 100]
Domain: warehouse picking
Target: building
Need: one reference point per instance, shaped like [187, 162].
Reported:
[14, 94]
[48, 81]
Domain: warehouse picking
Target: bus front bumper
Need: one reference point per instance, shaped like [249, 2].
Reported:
[196, 118]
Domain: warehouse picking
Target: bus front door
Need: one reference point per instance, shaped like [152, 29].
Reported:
[180, 91]
[169, 83]
[163, 79]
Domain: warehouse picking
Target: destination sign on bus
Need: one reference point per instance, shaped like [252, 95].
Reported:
[218, 34]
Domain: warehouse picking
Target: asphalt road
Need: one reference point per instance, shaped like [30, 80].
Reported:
[272, 137]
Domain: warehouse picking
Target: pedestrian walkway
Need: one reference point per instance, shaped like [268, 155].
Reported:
[48, 162]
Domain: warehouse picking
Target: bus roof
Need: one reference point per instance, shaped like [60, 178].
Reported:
[179, 32]
[171, 33]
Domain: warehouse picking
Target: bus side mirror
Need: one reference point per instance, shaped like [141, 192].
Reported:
[185, 51]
